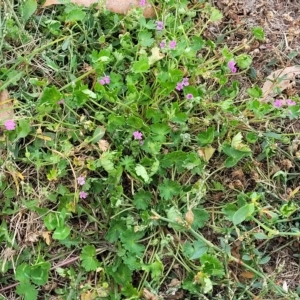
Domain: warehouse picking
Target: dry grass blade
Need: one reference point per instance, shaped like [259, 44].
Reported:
[116, 6]
[279, 81]
[6, 106]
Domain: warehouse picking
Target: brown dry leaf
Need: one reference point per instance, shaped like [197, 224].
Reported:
[294, 192]
[247, 275]
[103, 145]
[149, 296]
[47, 237]
[206, 152]
[32, 237]
[174, 282]
[238, 174]
[116, 6]
[6, 106]
[189, 217]
[279, 81]
[286, 164]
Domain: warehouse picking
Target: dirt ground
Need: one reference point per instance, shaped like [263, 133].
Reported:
[280, 20]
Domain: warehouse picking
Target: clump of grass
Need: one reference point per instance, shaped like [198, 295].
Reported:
[130, 153]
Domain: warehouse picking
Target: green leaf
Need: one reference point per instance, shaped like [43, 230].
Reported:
[39, 275]
[51, 95]
[175, 216]
[173, 158]
[145, 38]
[160, 131]
[142, 172]
[141, 66]
[197, 43]
[51, 221]
[258, 33]
[288, 209]
[195, 250]
[98, 134]
[115, 230]
[243, 61]
[122, 275]
[23, 272]
[142, 199]
[130, 239]
[234, 155]
[106, 162]
[206, 137]
[155, 268]
[229, 210]
[61, 233]
[260, 236]
[28, 9]
[237, 144]
[252, 137]
[200, 218]
[135, 122]
[23, 128]
[255, 92]
[28, 290]
[243, 213]
[168, 189]
[89, 262]
[216, 15]
[75, 14]
[211, 265]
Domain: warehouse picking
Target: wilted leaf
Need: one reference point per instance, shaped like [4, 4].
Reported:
[237, 144]
[47, 237]
[142, 172]
[206, 152]
[155, 56]
[88, 295]
[279, 81]
[103, 145]
[116, 6]
[189, 217]
[148, 295]
[6, 106]
[31, 237]
[247, 275]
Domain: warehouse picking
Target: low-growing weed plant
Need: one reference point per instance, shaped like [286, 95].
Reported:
[135, 164]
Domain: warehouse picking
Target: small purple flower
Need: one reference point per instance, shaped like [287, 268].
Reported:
[189, 96]
[106, 79]
[62, 101]
[173, 44]
[185, 81]
[160, 25]
[278, 103]
[10, 125]
[81, 180]
[290, 102]
[143, 2]
[138, 135]
[179, 86]
[231, 66]
[162, 44]
[82, 195]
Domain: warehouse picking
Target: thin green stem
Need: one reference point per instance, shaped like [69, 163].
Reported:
[221, 251]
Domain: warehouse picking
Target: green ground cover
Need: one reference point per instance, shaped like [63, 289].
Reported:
[132, 164]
